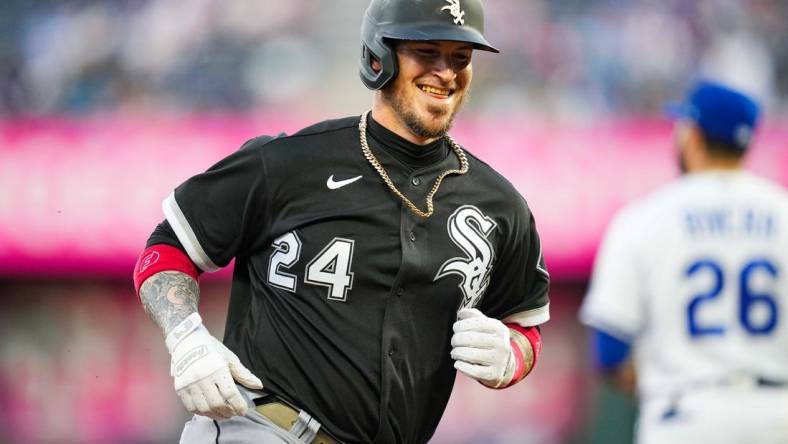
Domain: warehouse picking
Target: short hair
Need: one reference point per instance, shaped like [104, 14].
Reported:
[723, 149]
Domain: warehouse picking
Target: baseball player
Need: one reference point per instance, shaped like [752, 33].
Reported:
[693, 281]
[373, 257]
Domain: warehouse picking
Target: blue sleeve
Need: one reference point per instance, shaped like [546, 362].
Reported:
[609, 351]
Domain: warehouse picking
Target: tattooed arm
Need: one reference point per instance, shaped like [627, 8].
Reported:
[169, 297]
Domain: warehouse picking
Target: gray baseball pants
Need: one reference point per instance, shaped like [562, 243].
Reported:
[253, 428]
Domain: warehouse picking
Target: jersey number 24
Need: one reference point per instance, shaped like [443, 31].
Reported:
[757, 309]
[330, 268]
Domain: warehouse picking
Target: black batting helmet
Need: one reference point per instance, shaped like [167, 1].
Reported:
[454, 20]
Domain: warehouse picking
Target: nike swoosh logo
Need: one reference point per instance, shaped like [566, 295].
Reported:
[333, 185]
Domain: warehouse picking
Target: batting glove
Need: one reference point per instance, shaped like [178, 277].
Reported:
[481, 348]
[203, 369]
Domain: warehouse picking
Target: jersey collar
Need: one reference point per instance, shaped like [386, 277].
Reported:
[412, 155]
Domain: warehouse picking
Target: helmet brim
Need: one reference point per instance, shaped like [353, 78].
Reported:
[425, 32]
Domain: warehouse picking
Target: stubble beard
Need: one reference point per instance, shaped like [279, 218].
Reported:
[415, 124]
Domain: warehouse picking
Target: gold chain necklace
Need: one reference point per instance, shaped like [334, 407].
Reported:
[362, 129]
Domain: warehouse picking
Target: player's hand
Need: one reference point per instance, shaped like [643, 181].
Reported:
[204, 371]
[481, 348]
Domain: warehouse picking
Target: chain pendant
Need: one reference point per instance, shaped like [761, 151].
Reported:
[362, 130]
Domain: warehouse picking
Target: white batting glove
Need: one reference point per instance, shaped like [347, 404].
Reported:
[203, 369]
[481, 348]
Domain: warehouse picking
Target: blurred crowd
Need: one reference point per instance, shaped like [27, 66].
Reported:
[570, 58]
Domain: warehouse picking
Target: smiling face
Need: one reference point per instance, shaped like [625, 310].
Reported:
[421, 102]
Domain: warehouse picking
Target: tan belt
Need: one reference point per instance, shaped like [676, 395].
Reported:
[285, 417]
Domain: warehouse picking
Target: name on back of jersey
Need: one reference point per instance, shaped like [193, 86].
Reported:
[745, 222]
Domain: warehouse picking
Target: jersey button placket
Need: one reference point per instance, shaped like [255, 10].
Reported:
[416, 181]
[412, 236]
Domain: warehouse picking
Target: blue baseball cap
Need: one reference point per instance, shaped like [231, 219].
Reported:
[723, 114]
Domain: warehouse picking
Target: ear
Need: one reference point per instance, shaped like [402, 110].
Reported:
[375, 64]
[695, 149]
[696, 140]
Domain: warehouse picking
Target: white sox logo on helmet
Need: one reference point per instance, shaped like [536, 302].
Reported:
[469, 228]
[456, 11]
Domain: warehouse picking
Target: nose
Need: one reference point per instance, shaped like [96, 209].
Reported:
[444, 69]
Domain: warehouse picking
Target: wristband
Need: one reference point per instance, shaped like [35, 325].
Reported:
[519, 362]
[520, 333]
[162, 257]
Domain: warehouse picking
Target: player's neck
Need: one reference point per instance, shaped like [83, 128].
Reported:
[717, 164]
[388, 118]
[699, 159]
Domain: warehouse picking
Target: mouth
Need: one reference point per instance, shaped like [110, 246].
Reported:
[434, 91]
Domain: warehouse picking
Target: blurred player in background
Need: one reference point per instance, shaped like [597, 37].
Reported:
[354, 295]
[694, 280]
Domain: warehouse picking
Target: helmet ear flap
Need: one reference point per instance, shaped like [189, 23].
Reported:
[376, 49]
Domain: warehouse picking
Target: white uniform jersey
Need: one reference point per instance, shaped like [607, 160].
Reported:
[696, 276]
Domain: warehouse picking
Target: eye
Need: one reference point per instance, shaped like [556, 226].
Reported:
[426, 52]
[461, 60]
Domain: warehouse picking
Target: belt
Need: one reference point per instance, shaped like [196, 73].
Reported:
[770, 383]
[285, 416]
[736, 381]
[750, 381]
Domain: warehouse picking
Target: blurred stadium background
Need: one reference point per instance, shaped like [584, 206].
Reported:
[105, 106]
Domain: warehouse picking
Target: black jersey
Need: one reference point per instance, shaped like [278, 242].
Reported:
[343, 299]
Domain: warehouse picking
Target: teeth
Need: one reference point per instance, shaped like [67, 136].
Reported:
[433, 90]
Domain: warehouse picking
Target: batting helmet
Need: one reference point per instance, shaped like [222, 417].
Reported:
[385, 20]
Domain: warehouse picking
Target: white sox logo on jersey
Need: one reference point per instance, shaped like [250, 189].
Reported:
[469, 228]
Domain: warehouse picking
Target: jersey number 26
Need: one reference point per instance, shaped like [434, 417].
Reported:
[757, 309]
